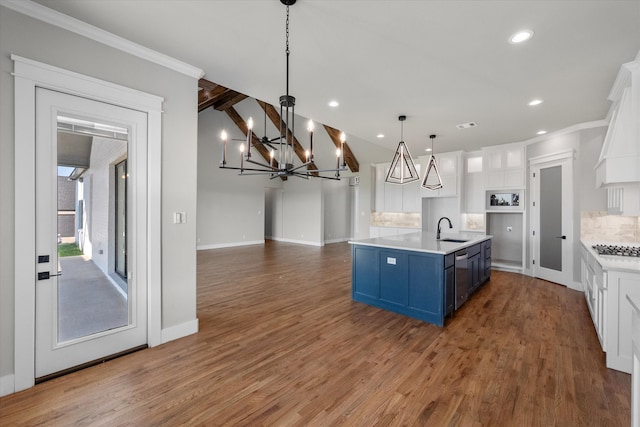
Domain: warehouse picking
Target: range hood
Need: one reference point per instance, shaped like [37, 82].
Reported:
[619, 160]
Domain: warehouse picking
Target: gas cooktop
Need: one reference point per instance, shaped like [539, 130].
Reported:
[630, 251]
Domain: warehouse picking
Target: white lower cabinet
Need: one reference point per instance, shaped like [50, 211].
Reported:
[635, 374]
[606, 292]
[621, 284]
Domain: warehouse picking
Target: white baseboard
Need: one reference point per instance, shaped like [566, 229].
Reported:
[576, 286]
[230, 245]
[340, 240]
[7, 385]
[179, 331]
[298, 242]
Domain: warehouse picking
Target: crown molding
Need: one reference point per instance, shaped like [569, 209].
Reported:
[50, 16]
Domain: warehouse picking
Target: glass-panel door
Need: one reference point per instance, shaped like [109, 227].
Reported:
[87, 305]
[552, 211]
[551, 218]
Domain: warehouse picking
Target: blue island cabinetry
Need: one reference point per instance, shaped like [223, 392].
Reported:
[418, 284]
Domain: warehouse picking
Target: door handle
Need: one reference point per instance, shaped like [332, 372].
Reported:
[44, 275]
[561, 237]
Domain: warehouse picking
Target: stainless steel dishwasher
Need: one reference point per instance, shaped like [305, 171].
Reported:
[462, 278]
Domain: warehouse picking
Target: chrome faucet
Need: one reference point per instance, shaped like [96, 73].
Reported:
[450, 226]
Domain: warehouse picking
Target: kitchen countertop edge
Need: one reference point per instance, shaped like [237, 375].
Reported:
[610, 262]
[422, 241]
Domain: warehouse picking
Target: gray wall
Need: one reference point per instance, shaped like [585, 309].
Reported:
[33, 39]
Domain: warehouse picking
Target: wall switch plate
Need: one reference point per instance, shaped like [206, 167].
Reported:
[179, 217]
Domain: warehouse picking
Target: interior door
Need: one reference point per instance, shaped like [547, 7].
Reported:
[552, 207]
[88, 306]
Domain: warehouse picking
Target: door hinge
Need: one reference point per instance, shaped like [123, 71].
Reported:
[534, 262]
[534, 232]
[534, 174]
[534, 203]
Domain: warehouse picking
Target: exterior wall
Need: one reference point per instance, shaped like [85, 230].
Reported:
[98, 198]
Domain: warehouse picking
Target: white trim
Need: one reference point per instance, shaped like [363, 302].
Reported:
[552, 157]
[229, 245]
[576, 286]
[178, 331]
[547, 136]
[297, 242]
[53, 17]
[7, 385]
[78, 84]
[340, 240]
[28, 75]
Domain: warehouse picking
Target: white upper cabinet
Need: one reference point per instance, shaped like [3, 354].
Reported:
[504, 167]
[395, 197]
[474, 192]
[450, 168]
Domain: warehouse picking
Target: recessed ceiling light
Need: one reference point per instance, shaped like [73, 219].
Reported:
[535, 102]
[333, 104]
[520, 36]
[380, 135]
[541, 132]
[427, 149]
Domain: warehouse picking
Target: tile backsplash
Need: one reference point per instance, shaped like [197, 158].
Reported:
[395, 219]
[599, 226]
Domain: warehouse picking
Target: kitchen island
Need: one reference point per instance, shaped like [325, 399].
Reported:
[417, 275]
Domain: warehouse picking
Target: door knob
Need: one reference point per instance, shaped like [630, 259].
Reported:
[561, 237]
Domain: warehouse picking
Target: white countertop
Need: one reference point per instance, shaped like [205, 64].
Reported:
[613, 262]
[423, 241]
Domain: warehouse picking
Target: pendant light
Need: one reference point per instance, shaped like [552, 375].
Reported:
[402, 170]
[432, 179]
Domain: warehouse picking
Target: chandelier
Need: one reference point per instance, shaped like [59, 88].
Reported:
[282, 163]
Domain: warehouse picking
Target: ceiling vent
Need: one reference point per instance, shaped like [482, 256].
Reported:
[467, 125]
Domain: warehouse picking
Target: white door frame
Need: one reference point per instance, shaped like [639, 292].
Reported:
[564, 158]
[28, 75]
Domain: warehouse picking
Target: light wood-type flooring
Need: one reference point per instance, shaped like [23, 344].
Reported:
[281, 343]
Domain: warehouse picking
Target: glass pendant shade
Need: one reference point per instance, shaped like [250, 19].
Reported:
[402, 169]
[432, 179]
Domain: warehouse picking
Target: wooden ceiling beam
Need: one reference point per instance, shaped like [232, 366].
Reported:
[223, 99]
[228, 99]
[349, 157]
[214, 95]
[208, 93]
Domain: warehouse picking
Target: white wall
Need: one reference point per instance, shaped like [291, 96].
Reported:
[42, 42]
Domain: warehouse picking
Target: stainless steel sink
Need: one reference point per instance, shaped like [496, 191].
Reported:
[453, 240]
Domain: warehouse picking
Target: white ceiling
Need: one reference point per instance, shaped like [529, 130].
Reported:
[439, 62]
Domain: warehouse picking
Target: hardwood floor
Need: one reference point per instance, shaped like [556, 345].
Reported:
[281, 343]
